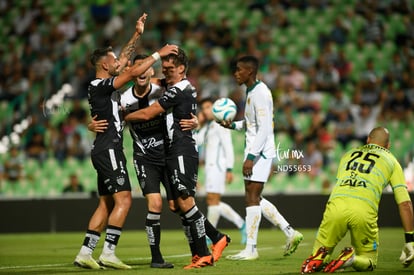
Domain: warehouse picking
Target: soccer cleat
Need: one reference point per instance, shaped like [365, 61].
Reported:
[315, 262]
[199, 262]
[218, 247]
[86, 261]
[243, 234]
[345, 259]
[112, 261]
[292, 243]
[244, 255]
[162, 265]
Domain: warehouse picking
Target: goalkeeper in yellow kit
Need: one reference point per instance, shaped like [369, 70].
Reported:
[363, 173]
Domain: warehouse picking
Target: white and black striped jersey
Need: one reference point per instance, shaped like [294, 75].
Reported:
[179, 101]
[104, 102]
[149, 135]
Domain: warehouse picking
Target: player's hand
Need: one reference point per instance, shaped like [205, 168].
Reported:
[139, 27]
[407, 254]
[97, 126]
[229, 177]
[189, 124]
[247, 168]
[168, 49]
[226, 124]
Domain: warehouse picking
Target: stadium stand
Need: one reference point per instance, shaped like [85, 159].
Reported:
[255, 27]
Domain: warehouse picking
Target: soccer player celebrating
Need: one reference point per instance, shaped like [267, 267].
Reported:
[258, 154]
[107, 155]
[178, 102]
[219, 160]
[363, 173]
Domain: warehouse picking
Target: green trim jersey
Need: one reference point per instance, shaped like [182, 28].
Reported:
[364, 172]
[258, 122]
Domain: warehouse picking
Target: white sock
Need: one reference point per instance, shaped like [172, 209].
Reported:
[89, 243]
[228, 213]
[271, 213]
[253, 218]
[213, 214]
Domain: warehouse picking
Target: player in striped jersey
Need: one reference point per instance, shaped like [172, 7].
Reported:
[363, 173]
[107, 155]
[258, 155]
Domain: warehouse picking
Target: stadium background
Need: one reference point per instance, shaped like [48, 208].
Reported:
[46, 44]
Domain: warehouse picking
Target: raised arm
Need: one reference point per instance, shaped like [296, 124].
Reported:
[137, 69]
[129, 49]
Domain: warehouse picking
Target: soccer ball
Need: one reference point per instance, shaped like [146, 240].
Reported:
[224, 109]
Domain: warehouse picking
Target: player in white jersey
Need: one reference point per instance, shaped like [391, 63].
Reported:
[258, 155]
[219, 161]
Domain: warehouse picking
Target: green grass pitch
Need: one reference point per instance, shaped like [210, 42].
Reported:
[54, 253]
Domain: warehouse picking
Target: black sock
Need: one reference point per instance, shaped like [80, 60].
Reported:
[153, 229]
[198, 231]
[113, 233]
[187, 232]
[211, 231]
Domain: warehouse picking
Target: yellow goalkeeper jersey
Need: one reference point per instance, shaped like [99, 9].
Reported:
[365, 171]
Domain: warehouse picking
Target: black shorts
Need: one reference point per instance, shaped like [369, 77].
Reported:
[150, 176]
[112, 172]
[182, 172]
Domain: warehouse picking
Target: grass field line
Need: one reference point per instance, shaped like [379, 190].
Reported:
[127, 260]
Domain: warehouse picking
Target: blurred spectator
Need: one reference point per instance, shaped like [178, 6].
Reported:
[337, 104]
[311, 99]
[74, 185]
[213, 84]
[343, 128]
[312, 157]
[327, 77]
[271, 76]
[373, 28]
[326, 142]
[306, 60]
[282, 60]
[41, 67]
[101, 12]
[398, 107]
[368, 88]
[340, 31]
[344, 67]
[36, 148]
[13, 166]
[365, 118]
[58, 144]
[67, 27]
[285, 121]
[76, 147]
[396, 68]
[295, 78]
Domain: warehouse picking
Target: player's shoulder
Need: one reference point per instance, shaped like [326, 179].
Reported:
[109, 82]
[183, 88]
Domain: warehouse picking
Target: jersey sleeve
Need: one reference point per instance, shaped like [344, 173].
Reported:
[263, 122]
[106, 86]
[397, 182]
[127, 99]
[239, 125]
[170, 98]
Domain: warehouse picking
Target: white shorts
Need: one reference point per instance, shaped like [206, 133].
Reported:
[215, 179]
[261, 169]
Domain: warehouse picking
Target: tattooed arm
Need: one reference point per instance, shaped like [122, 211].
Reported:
[129, 48]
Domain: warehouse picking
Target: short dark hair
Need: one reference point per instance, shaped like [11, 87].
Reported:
[99, 53]
[140, 57]
[178, 59]
[251, 60]
[206, 99]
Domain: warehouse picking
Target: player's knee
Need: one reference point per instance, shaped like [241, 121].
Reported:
[155, 206]
[124, 201]
[362, 263]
